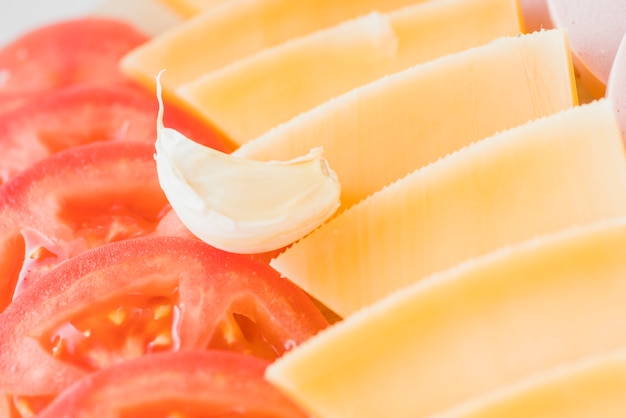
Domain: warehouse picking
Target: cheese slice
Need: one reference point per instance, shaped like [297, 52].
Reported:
[252, 95]
[593, 387]
[470, 330]
[189, 8]
[234, 30]
[552, 173]
[383, 130]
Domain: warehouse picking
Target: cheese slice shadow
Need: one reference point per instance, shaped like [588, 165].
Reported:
[549, 174]
[468, 331]
[383, 130]
[252, 95]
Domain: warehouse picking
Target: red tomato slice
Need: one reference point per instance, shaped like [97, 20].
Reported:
[69, 52]
[73, 201]
[140, 296]
[84, 114]
[186, 384]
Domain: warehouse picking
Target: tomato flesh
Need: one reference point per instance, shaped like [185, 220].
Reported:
[141, 323]
[30, 252]
[183, 384]
[104, 217]
[173, 408]
[74, 201]
[243, 328]
[138, 297]
[27, 406]
[115, 331]
[96, 307]
[79, 115]
[70, 52]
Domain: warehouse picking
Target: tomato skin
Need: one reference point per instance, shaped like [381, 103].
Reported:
[82, 114]
[213, 287]
[64, 53]
[213, 383]
[74, 201]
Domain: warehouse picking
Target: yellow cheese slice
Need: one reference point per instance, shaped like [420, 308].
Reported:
[383, 130]
[234, 30]
[470, 330]
[549, 174]
[189, 8]
[252, 95]
[593, 387]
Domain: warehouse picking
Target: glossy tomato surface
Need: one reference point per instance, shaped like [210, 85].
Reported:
[75, 51]
[187, 384]
[108, 306]
[83, 114]
[141, 296]
[73, 201]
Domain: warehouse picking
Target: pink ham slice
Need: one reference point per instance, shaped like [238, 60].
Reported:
[616, 86]
[595, 30]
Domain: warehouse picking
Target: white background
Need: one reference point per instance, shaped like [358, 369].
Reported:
[17, 16]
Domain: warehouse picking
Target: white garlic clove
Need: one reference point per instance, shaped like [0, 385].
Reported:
[241, 205]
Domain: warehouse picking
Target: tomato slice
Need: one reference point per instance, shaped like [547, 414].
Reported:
[84, 114]
[73, 201]
[186, 384]
[142, 296]
[64, 53]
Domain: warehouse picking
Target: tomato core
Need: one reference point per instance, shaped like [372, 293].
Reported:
[122, 329]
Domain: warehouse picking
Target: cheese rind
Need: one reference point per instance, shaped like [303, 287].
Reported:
[236, 29]
[468, 331]
[383, 130]
[547, 175]
[250, 96]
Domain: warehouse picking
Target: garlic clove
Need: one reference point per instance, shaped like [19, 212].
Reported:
[241, 205]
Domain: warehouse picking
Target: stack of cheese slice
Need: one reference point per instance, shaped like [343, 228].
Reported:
[252, 95]
[471, 330]
[383, 130]
[552, 173]
[236, 29]
[479, 259]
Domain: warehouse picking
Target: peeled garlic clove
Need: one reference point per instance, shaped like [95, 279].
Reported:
[241, 205]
